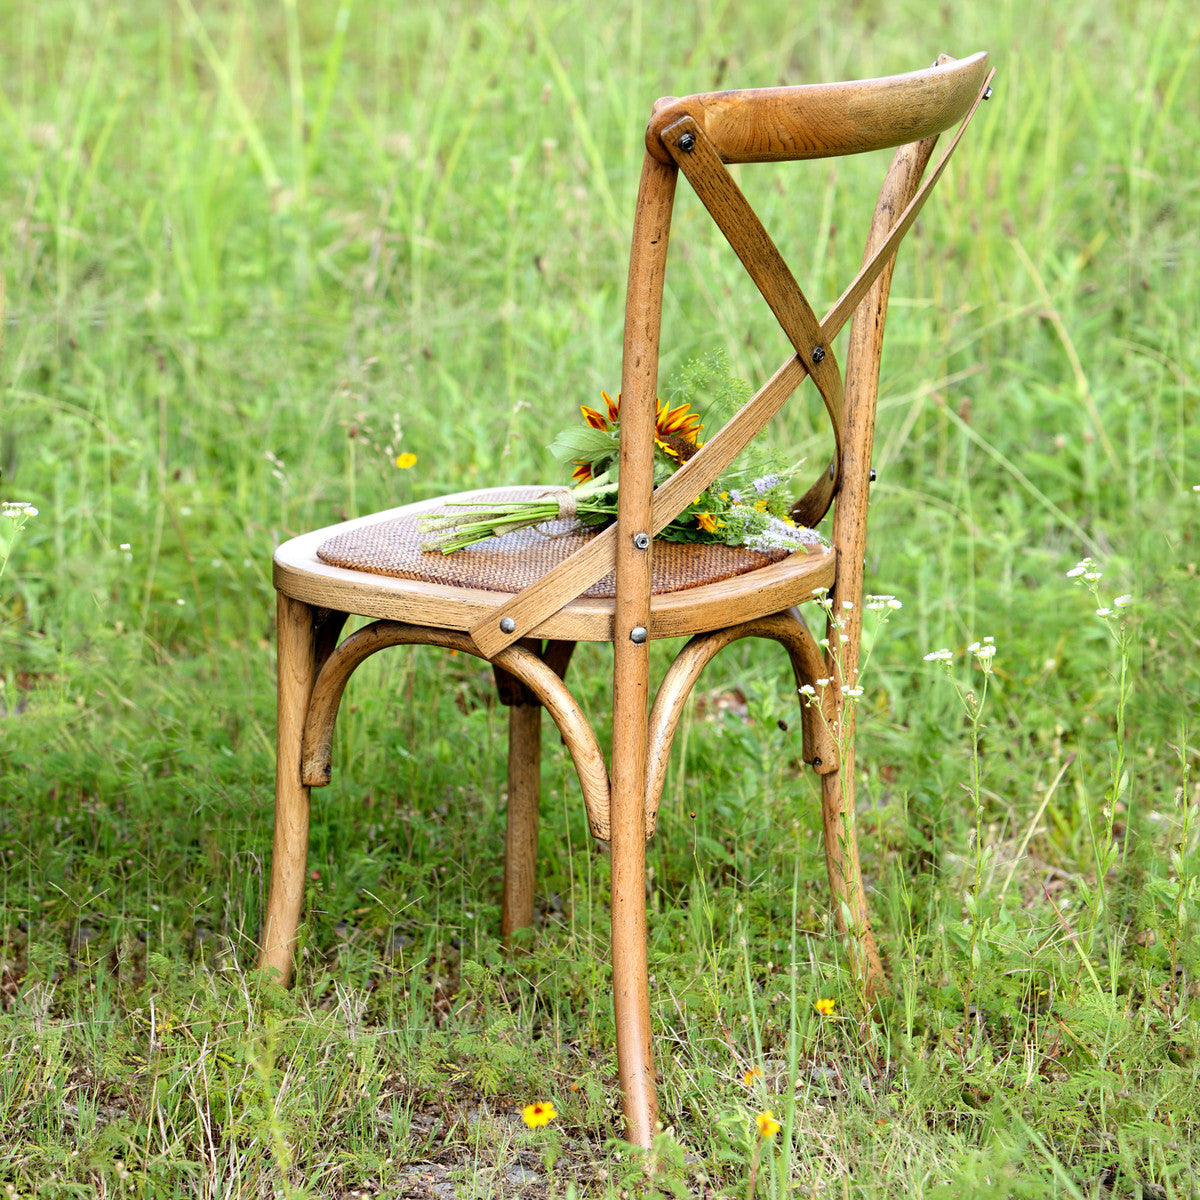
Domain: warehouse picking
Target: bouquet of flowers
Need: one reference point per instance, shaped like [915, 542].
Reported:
[741, 508]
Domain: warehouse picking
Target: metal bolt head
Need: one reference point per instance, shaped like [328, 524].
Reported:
[638, 634]
[816, 762]
[818, 354]
[641, 541]
[872, 474]
[988, 94]
[507, 624]
[687, 142]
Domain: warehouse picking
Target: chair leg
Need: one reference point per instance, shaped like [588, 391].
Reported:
[296, 671]
[845, 875]
[521, 830]
[631, 985]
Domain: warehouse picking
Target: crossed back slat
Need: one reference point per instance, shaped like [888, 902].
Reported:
[938, 97]
[697, 158]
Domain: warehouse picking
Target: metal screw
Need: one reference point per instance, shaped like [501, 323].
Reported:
[641, 541]
[872, 474]
[818, 355]
[831, 470]
[816, 762]
[988, 94]
[638, 634]
[507, 624]
[687, 142]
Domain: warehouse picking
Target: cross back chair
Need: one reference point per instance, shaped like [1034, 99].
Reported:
[521, 602]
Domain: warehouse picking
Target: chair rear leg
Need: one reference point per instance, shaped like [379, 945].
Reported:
[521, 829]
[845, 875]
[296, 672]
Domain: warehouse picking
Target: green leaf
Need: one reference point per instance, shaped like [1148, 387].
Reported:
[583, 445]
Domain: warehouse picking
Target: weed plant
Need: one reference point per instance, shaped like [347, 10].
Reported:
[258, 257]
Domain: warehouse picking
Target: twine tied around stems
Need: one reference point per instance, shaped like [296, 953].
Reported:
[565, 498]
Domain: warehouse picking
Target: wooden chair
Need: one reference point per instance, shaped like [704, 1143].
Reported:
[523, 601]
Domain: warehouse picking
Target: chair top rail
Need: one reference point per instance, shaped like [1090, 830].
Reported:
[824, 120]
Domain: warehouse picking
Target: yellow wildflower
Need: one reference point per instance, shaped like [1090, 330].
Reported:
[825, 1007]
[406, 460]
[708, 522]
[768, 1127]
[540, 1113]
[751, 1075]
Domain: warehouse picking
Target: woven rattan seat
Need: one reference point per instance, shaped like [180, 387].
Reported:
[513, 562]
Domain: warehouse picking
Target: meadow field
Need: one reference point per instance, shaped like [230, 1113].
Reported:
[257, 256]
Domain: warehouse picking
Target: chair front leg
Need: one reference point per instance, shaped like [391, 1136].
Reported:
[296, 673]
[521, 822]
[845, 875]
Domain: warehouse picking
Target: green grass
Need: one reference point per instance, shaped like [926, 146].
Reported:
[250, 254]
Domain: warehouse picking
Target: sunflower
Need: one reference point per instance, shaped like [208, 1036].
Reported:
[676, 430]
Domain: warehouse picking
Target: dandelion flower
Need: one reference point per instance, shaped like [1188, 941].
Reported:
[825, 1007]
[540, 1113]
[751, 1075]
[406, 460]
[768, 1127]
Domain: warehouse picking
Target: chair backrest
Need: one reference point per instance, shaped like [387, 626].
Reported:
[697, 136]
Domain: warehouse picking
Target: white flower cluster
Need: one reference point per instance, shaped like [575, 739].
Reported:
[984, 652]
[942, 655]
[879, 603]
[1085, 572]
[15, 510]
[1085, 568]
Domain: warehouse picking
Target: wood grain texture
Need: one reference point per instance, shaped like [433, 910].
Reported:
[826, 119]
[296, 669]
[733, 216]
[631, 658]
[521, 817]
[299, 573]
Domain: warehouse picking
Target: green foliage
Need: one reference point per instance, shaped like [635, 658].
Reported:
[252, 256]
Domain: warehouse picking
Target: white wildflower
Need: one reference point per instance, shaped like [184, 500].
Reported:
[1123, 601]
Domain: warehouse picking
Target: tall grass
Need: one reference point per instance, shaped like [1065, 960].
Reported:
[253, 253]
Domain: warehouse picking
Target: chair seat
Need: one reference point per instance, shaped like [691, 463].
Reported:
[374, 566]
